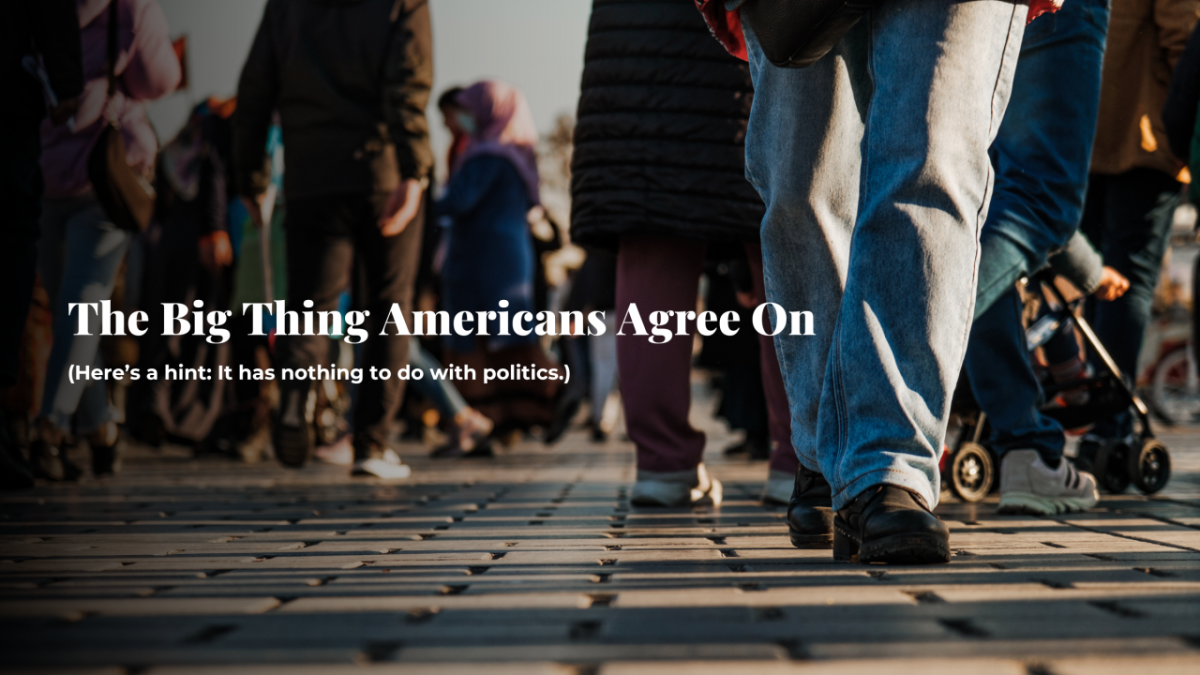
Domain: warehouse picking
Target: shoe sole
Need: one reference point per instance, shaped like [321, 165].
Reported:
[812, 541]
[715, 496]
[382, 471]
[1018, 503]
[922, 548]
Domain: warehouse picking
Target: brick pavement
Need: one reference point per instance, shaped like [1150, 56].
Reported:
[535, 562]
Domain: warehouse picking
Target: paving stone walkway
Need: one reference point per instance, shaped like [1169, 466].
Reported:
[535, 562]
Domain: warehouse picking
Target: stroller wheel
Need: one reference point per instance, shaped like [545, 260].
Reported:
[1111, 466]
[972, 472]
[1150, 466]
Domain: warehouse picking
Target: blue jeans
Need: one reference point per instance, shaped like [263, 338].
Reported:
[441, 393]
[1041, 156]
[1005, 386]
[79, 255]
[873, 164]
[1128, 217]
[1044, 147]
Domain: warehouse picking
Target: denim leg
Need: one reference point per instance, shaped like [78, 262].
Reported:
[1004, 384]
[803, 158]
[1042, 152]
[94, 410]
[602, 353]
[441, 393]
[91, 249]
[892, 129]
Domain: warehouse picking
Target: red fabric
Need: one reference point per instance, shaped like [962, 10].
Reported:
[1040, 7]
[725, 26]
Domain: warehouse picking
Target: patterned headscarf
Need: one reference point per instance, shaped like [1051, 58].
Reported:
[503, 127]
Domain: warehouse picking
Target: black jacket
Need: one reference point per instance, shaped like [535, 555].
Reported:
[49, 28]
[659, 141]
[1179, 112]
[350, 80]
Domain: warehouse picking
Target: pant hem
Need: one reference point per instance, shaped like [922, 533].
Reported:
[911, 480]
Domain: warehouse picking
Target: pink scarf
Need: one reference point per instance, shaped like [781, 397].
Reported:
[503, 127]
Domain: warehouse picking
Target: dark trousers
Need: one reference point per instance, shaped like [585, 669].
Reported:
[334, 243]
[21, 195]
[661, 274]
[1128, 218]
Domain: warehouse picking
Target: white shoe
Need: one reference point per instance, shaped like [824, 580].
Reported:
[778, 488]
[1028, 485]
[676, 488]
[388, 467]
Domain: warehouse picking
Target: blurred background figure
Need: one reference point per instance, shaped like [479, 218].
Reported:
[81, 249]
[42, 72]
[489, 254]
[186, 255]
[350, 81]
[1133, 187]
[735, 360]
[658, 176]
[593, 358]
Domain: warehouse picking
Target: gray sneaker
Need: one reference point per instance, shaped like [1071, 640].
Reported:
[1028, 485]
[676, 488]
[778, 488]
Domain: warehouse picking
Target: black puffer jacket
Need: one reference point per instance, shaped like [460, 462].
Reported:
[659, 142]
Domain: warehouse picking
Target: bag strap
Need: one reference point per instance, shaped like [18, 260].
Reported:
[110, 66]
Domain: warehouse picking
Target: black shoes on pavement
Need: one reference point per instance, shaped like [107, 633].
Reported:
[889, 524]
[810, 511]
[292, 433]
[884, 524]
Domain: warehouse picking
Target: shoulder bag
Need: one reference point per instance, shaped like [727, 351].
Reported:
[125, 194]
[797, 33]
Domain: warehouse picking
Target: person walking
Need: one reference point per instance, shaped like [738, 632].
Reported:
[1134, 184]
[657, 176]
[489, 261]
[45, 33]
[873, 164]
[81, 248]
[352, 113]
[1041, 158]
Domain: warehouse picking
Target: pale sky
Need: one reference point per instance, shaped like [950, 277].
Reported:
[536, 45]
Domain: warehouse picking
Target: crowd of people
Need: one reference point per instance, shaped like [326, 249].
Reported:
[899, 186]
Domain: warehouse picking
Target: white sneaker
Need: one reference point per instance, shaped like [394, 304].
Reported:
[778, 488]
[388, 467]
[676, 488]
[1028, 485]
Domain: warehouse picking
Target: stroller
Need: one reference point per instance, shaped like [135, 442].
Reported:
[970, 468]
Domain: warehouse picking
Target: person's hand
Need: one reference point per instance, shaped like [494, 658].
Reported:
[254, 208]
[216, 251]
[65, 110]
[401, 207]
[746, 299]
[1113, 285]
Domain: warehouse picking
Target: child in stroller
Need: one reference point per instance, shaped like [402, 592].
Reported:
[1072, 397]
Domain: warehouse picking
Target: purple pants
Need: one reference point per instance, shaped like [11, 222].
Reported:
[662, 274]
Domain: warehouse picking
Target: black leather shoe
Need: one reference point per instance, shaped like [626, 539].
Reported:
[889, 524]
[810, 511]
[104, 460]
[292, 433]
